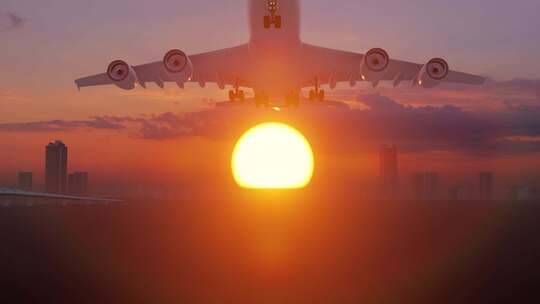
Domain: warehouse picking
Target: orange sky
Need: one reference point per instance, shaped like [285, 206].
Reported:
[120, 163]
[148, 143]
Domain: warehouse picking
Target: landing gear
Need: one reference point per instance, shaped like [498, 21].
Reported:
[272, 19]
[237, 94]
[317, 94]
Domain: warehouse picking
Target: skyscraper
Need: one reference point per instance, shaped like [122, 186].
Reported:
[25, 181]
[520, 193]
[388, 160]
[419, 186]
[485, 185]
[78, 183]
[56, 156]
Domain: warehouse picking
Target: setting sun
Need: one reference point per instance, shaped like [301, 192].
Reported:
[272, 156]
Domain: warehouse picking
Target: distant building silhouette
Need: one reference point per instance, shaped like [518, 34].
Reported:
[535, 193]
[432, 185]
[78, 183]
[56, 157]
[419, 186]
[485, 185]
[426, 186]
[458, 193]
[388, 162]
[520, 193]
[25, 181]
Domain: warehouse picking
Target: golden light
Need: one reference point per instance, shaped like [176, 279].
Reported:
[272, 156]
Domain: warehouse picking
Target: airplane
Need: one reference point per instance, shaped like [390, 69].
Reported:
[12, 193]
[276, 64]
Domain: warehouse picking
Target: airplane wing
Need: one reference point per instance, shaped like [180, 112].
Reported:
[331, 66]
[223, 67]
[19, 193]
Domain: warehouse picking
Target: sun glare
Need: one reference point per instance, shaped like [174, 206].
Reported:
[272, 156]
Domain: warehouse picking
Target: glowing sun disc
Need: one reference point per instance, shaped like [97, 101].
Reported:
[272, 156]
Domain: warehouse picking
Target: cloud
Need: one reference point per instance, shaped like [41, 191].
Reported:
[512, 127]
[414, 129]
[517, 84]
[492, 96]
[10, 21]
[62, 125]
[450, 128]
[7, 96]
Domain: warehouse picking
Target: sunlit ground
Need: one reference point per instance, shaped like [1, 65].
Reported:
[272, 156]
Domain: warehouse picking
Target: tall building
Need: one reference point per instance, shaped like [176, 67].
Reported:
[56, 157]
[388, 164]
[78, 183]
[485, 185]
[520, 193]
[25, 181]
[431, 185]
[458, 193]
[535, 192]
[419, 186]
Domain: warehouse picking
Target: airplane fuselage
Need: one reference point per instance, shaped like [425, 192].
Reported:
[275, 53]
[276, 64]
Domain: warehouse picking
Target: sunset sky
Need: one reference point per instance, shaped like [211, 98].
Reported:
[177, 136]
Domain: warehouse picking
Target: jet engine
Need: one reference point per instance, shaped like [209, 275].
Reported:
[178, 66]
[432, 73]
[122, 75]
[374, 65]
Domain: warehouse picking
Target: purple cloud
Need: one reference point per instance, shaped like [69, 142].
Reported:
[61, 125]
[512, 128]
[10, 21]
[425, 128]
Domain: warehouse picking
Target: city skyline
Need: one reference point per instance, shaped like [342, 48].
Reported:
[391, 183]
[78, 183]
[56, 177]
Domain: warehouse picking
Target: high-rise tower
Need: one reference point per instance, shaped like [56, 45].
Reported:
[485, 185]
[56, 156]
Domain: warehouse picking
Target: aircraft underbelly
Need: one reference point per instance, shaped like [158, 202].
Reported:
[276, 70]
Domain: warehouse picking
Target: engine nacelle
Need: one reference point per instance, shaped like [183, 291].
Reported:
[178, 66]
[122, 75]
[374, 65]
[432, 73]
